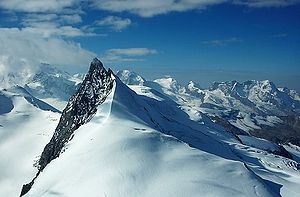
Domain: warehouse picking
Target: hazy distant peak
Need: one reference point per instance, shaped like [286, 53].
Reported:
[130, 78]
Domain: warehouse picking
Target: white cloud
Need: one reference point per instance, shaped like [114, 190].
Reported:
[37, 5]
[132, 51]
[71, 18]
[49, 25]
[266, 3]
[114, 22]
[154, 7]
[142, 8]
[127, 54]
[222, 42]
[281, 35]
[51, 17]
[50, 29]
[21, 51]
[157, 7]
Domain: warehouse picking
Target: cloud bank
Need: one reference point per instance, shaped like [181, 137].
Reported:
[38, 5]
[157, 7]
[22, 52]
[141, 8]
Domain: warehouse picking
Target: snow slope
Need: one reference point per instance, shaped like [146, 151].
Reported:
[26, 124]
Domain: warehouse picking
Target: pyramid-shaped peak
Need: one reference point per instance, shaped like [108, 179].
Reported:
[96, 64]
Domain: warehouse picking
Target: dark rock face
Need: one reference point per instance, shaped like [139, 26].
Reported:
[80, 109]
[285, 132]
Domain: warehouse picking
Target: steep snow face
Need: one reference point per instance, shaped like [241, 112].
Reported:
[26, 124]
[130, 78]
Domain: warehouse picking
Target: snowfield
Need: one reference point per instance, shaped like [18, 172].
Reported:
[26, 125]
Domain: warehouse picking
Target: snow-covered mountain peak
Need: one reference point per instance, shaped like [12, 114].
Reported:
[194, 89]
[95, 65]
[265, 87]
[191, 86]
[10, 79]
[168, 83]
[230, 86]
[130, 77]
[49, 69]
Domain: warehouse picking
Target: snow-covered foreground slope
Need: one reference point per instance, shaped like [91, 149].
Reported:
[117, 154]
[26, 124]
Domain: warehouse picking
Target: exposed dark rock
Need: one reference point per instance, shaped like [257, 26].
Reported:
[288, 131]
[226, 124]
[80, 109]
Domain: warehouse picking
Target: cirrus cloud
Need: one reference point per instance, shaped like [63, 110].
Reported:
[114, 22]
[266, 3]
[222, 42]
[155, 7]
[141, 8]
[37, 5]
[127, 54]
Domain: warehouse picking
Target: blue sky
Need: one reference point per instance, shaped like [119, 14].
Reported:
[198, 40]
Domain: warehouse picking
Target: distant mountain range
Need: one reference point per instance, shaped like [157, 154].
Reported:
[255, 107]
